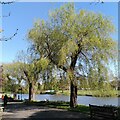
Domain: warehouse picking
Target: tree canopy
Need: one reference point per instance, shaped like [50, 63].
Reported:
[67, 33]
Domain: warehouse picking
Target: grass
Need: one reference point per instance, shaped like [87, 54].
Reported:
[95, 93]
[60, 105]
[65, 105]
[80, 108]
[99, 93]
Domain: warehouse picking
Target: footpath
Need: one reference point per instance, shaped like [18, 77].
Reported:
[15, 110]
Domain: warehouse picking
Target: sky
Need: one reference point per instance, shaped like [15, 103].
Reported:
[24, 14]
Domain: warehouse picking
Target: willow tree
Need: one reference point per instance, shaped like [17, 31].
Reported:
[31, 67]
[70, 38]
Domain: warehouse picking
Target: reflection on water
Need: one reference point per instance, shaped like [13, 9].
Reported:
[85, 100]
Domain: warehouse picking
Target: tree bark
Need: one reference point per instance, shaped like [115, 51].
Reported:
[73, 95]
[73, 83]
[30, 91]
[73, 88]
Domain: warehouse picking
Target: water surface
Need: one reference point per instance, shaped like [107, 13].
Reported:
[85, 100]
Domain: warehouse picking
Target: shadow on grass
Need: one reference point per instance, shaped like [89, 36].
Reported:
[58, 114]
[61, 105]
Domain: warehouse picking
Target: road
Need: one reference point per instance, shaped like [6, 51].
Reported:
[21, 111]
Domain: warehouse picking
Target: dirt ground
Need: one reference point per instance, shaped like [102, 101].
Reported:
[15, 110]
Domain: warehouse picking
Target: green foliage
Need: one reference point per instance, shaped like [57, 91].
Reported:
[68, 33]
[10, 86]
[12, 77]
[43, 63]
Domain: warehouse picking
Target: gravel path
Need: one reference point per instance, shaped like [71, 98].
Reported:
[19, 110]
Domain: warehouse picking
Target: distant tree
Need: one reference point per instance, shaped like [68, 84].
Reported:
[12, 77]
[10, 85]
[31, 69]
[115, 83]
[70, 38]
[64, 83]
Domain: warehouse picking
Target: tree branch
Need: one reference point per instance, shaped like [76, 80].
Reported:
[97, 1]
[26, 74]
[5, 3]
[9, 38]
[85, 57]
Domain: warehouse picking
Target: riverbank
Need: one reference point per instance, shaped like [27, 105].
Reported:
[97, 93]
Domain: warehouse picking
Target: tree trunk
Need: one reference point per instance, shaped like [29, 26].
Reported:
[30, 91]
[73, 95]
[73, 80]
[73, 88]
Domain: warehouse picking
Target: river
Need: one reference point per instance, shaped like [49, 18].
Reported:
[84, 100]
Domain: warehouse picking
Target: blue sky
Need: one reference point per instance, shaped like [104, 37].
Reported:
[24, 14]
